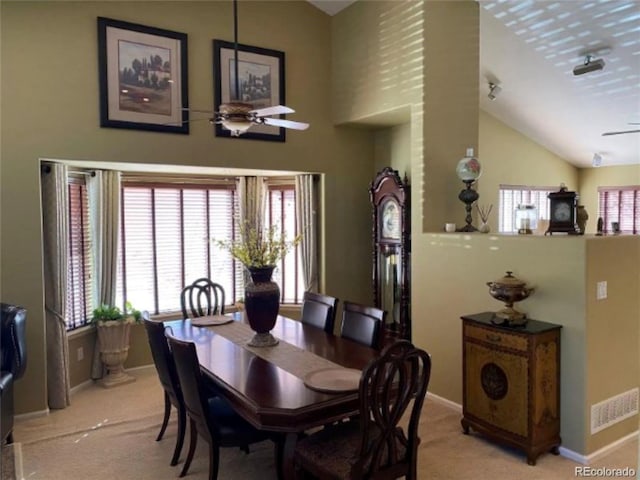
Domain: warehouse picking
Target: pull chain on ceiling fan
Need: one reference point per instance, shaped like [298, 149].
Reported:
[238, 116]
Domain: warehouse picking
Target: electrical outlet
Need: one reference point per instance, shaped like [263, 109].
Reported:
[80, 354]
[601, 290]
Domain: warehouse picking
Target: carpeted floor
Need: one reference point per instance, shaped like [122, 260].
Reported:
[11, 462]
[109, 434]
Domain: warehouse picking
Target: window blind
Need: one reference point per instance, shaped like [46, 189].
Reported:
[513, 195]
[622, 205]
[79, 267]
[166, 237]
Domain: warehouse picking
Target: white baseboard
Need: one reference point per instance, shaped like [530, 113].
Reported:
[443, 401]
[28, 415]
[83, 385]
[588, 459]
[565, 452]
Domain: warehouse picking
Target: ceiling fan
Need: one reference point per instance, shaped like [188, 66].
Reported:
[238, 116]
[620, 132]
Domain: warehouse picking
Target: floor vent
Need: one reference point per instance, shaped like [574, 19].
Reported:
[614, 410]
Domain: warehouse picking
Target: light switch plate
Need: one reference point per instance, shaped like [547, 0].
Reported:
[601, 290]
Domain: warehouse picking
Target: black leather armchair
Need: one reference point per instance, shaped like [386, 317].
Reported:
[13, 356]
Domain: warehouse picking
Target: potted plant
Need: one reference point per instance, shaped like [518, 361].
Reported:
[259, 251]
[113, 327]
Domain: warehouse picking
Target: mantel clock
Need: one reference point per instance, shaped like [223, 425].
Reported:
[562, 212]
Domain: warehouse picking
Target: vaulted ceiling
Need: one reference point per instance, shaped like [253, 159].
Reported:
[530, 48]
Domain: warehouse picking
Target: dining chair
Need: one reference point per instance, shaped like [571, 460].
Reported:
[203, 297]
[211, 417]
[375, 446]
[363, 324]
[168, 375]
[319, 310]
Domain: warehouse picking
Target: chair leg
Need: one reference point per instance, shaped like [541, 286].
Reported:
[193, 440]
[214, 461]
[279, 453]
[167, 413]
[182, 426]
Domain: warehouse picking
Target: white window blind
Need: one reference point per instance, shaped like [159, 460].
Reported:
[79, 279]
[166, 232]
[281, 211]
[513, 195]
[622, 205]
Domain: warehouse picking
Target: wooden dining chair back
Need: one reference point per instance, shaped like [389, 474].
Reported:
[377, 446]
[211, 417]
[363, 324]
[319, 310]
[203, 297]
[168, 376]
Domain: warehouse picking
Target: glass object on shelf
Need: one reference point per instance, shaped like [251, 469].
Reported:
[525, 218]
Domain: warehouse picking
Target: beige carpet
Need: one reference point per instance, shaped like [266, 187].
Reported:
[109, 434]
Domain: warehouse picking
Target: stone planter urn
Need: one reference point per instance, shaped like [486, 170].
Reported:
[113, 344]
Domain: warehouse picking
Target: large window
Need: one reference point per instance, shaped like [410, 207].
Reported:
[79, 279]
[622, 205]
[166, 233]
[513, 195]
[165, 243]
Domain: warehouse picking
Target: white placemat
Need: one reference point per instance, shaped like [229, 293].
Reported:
[211, 320]
[333, 380]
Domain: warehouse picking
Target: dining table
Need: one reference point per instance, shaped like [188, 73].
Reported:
[270, 387]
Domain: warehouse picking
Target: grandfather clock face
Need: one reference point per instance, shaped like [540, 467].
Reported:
[390, 227]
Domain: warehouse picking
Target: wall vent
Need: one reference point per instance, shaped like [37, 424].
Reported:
[614, 410]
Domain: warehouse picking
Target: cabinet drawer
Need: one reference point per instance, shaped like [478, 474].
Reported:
[499, 339]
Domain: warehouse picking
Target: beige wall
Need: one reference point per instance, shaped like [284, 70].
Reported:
[50, 110]
[613, 328]
[510, 158]
[592, 178]
[455, 284]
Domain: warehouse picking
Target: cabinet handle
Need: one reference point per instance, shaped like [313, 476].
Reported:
[494, 338]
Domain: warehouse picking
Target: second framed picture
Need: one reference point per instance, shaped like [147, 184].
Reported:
[260, 83]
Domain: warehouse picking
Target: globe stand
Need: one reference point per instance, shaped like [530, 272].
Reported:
[468, 196]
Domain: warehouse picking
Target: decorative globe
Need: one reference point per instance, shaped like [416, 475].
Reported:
[469, 169]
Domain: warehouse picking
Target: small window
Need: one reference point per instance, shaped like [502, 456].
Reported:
[79, 262]
[621, 205]
[513, 195]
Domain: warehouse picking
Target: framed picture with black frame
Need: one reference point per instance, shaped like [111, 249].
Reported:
[261, 84]
[143, 77]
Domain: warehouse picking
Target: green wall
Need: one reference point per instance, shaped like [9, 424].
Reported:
[49, 90]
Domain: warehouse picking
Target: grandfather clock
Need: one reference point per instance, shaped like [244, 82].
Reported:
[390, 198]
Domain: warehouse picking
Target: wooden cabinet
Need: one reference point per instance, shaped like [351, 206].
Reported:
[511, 383]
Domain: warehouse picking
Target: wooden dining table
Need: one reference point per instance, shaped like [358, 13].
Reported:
[268, 395]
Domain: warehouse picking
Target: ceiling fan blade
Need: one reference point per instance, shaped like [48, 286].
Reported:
[275, 110]
[607, 134]
[277, 122]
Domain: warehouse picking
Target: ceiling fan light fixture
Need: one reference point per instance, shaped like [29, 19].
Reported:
[597, 160]
[588, 66]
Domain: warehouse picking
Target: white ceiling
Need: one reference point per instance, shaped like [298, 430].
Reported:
[529, 48]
